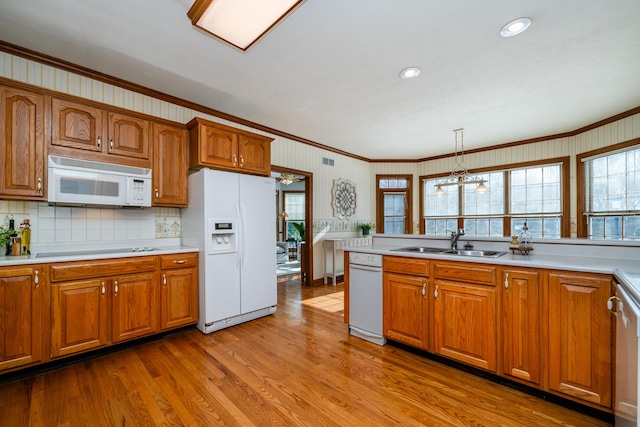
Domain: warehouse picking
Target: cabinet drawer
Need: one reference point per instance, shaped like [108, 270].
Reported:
[473, 273]
[178, 260]
[403, 265]
[101, 268]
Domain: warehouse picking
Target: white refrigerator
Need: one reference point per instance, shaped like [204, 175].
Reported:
[231, 218]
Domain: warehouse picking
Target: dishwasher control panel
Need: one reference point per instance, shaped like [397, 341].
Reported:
[372, 260]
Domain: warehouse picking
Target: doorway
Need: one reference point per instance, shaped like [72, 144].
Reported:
[297, 185]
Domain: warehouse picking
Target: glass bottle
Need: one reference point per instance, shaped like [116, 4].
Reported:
[526, 241]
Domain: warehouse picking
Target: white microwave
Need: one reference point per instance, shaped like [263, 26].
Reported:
[75, 182]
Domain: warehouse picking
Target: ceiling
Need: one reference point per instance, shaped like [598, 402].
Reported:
[329, 72]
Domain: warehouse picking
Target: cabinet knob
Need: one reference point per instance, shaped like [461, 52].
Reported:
[103, 290]
[424, 289]
[241, 160]
[99, 142]
[157, 194]
[36, 278]
[235, 159]
[110, 144]
[164, 279]
[506, 281]
[435, 293]
[611, 304]
[115, 287]
[39, 185]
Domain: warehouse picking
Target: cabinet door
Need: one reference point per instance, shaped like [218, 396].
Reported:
[218, 147]
[254, 154]
[21, 316]
[22, 144]
[170, 165]
[521, 349]
[78, 316]
[128, 136]
[405, 308]
[465, 323]
[580, 329]
[135, 306]
[179, 297]
[76, 125]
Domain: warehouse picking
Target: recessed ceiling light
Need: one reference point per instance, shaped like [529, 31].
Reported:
[409, 73]
[515, 27]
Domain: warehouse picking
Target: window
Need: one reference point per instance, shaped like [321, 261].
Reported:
[611, 198]
[294, 207]
[393, 210]
[531, 192]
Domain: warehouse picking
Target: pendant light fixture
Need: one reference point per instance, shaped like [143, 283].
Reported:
[460, 175]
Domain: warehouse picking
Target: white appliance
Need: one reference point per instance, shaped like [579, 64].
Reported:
[231, 218]
[365, 297]
[75, 182]
[627, 311]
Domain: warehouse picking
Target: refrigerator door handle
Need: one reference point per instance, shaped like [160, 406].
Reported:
[241, 237]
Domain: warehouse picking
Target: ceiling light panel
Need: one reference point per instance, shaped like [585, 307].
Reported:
[239, 22]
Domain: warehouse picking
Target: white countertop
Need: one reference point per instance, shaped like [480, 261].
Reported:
[89, 254]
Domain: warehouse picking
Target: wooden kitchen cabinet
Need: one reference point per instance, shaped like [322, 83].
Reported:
[179, 291]
[22, 146]
[405, 300]
[465, 313]
[79, 316]
[170, 165]
[100, 302]
[521, 324]
[580, 331]
[134, 306]
[223, 147]
[22, 321]
[84, 130]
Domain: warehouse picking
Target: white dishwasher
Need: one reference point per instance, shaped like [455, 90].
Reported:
[365, 297]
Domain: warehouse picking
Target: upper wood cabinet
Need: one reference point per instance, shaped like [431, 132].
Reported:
[580, 329]
[170, 165]
[22, 146]
[87, 131]
[224, 147]
[465, 313]
[22, 309]
[521, 324]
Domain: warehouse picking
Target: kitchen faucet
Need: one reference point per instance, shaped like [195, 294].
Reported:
[455, 236]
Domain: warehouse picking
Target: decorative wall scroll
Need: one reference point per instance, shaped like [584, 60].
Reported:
[344, 198]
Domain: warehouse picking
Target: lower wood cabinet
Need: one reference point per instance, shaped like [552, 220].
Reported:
[521, 324]
[580, 331]
[135, 306]
[22, 316]
[405, 287]
[465, 313]
[179, 293]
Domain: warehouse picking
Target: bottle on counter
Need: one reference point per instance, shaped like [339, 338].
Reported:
[526, 241]
[26, 236]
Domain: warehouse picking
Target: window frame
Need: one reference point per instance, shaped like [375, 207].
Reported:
[582, 226]
[284, 207]
[565, 186]
[380, 201]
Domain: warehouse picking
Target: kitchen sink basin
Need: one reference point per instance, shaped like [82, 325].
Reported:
[420, 249]
[428, 250]
[484, 254]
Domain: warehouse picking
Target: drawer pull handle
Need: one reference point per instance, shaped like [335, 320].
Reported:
[99, 143]
[611, 304]
[241, 160]
[180, 261]
[506, 281]
[435, 293]
[36, 279]
[115, 287]
[235, 159]
[39, 186]
[103, 290]
[157, 194]
[110, 144]
[164, 279]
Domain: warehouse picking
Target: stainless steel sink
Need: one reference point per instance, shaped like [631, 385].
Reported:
[484, 254]
[428, 250]
[420, 249]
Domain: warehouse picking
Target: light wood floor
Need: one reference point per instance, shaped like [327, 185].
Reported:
[298, 367]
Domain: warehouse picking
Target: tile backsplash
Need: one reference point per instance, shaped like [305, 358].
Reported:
[51, 224]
